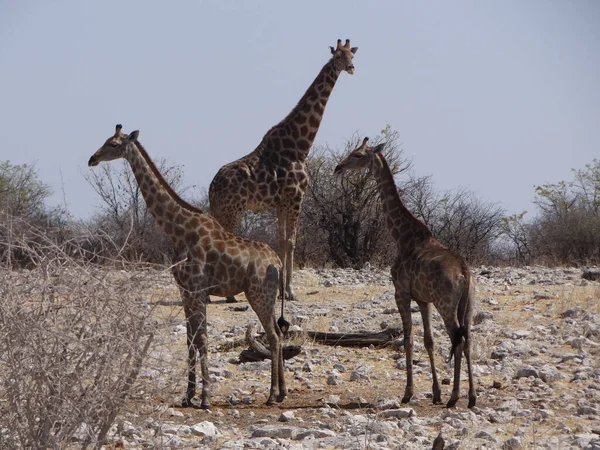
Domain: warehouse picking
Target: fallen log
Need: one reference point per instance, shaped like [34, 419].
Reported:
[381, 339]
[258, 351]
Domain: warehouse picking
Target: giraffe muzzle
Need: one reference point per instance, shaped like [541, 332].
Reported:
[93, 161]
[350, 69]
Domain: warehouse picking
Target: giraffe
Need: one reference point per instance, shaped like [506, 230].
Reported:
[274, 175]
[425, 271]
[207, 260]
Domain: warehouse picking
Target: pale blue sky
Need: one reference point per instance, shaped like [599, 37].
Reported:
[495, 96]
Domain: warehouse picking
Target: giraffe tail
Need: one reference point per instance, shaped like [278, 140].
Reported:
[464, 308]
[272, 283]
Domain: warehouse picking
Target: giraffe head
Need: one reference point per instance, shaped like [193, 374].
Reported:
[342, 56]
[360, 158]
[114, 147]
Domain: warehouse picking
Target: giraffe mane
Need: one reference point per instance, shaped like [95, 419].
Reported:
[164, 182]
[319, 78]
[408, 212]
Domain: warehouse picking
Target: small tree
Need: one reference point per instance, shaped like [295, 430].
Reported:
[23, 213]
[567, 231]
[22, 193]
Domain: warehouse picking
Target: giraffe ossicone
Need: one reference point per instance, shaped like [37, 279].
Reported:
[424, 271]
[274, 175]
[207, 260]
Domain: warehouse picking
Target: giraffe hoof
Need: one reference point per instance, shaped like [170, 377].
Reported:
[472, 402]
[205, 405]
[186, 403]
[451, 403]
[281, 398]
[406, 398]
[231, 300]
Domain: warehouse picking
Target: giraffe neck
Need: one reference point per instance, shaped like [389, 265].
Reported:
[302, 123]
[161, 201]
[405, 228]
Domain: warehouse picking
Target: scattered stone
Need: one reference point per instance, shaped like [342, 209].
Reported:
[571, 313]
[514, 443]
[334, 378]
[286, 416]
[205, 428]
[527, 371]
[591, 275]
[361, 373]
[275, 432]
[399, 413]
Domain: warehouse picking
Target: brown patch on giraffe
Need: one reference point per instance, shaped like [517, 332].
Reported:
[232, 272]
[219, 246]
[212, 256]
[295, 133]
[161, 197]
[221, 271]
[192, 238]
[180, 220]
[303, 144]
[193, 222]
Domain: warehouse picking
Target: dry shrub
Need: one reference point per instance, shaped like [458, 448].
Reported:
[72, 341]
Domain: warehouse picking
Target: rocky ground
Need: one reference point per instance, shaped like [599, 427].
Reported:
[536, 348]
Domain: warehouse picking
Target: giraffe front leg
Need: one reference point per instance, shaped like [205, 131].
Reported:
[404, 308]
[201, 342]
[190, 393]
[425, 309]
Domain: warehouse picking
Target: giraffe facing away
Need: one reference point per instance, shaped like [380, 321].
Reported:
[207, 260]
[424, 271]
[274, 175]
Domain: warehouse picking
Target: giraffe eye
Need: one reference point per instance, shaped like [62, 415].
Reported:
[113, 144]
[338, 55]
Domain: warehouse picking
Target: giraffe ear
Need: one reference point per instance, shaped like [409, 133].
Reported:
[133, 136]
[354, 50]
[332, 50]
[378, 148]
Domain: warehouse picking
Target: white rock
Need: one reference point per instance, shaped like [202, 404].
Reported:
[399, 413]
[205, 428]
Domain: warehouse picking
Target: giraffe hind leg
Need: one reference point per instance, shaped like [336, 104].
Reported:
[425, 309]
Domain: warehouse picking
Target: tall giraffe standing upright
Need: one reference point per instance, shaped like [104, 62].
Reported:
[274, 175]
[425, 271]
[207, 260]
